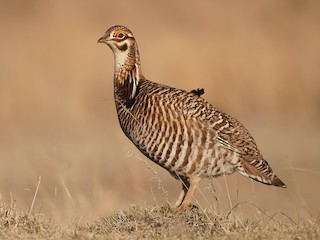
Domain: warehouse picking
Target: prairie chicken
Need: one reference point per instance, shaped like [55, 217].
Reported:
[177, 129]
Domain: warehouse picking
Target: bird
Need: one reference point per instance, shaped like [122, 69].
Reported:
[178, 129]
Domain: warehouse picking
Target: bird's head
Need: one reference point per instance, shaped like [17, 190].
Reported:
[118, 38]
[123, 44]
[125, 49]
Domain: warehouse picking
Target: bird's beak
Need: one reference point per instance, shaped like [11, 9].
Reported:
[104, 39]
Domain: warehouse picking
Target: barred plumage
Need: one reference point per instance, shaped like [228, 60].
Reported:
[179, 130]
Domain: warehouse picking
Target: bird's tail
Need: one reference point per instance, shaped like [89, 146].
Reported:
[260, 171]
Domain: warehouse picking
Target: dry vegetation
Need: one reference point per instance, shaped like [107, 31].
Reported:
[160, 222]
[155, 223]
[257, 60]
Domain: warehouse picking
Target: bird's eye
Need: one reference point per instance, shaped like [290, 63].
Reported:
[120, 35]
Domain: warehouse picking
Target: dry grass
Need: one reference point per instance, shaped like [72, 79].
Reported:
[154, 223]
[161, 223]
[17, 224]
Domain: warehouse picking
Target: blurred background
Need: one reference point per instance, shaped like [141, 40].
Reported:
[257, 60]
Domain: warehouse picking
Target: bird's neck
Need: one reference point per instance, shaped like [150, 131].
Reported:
[127, 62]
[127, 74]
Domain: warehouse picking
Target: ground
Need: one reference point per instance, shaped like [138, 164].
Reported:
[155, 223]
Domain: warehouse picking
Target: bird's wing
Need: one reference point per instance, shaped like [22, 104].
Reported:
[201, 115]
[228, 131]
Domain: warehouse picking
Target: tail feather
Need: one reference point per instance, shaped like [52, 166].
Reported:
[260, 171]
[277, 182]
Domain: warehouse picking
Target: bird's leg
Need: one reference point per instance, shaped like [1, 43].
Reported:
[187, 198]
[185, 187]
